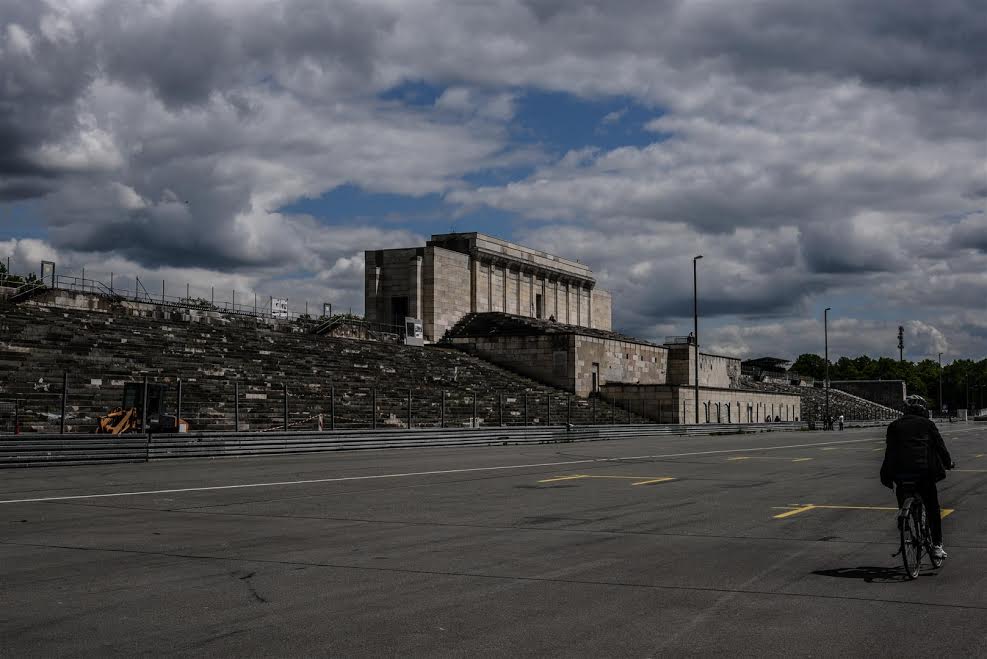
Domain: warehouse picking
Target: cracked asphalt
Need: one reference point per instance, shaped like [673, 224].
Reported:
[749, 545]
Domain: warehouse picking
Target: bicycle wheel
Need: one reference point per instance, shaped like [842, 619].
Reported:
[911, 544]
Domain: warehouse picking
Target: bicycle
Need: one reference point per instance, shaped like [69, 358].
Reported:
[913, 528]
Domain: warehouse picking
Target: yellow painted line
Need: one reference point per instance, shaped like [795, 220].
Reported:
[796, 511]
[943, 512]
[649, 479]
[764, 457]
[563, 478]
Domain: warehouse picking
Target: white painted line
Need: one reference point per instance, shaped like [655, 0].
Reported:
[341, 479]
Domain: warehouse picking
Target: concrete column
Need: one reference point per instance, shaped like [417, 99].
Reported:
[589, 307]
[504, 288]
[517, 295]
[415, 290]
[579, 304]
[531, 295]
[489, 286]
[474, 276]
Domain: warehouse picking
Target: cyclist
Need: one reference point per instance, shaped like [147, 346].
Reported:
[916, 452]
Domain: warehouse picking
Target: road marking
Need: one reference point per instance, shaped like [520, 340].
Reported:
[943, 512]
[562, 478]
[764, 457]
[972, 471]
[796, 511]
[655, 480]
[343, 479]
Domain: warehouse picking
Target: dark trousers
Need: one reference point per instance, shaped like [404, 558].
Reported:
[930, 497]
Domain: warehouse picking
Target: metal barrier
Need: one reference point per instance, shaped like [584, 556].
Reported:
[38, 450]
[53, 450]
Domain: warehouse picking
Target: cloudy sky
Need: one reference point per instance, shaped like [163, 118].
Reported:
[816, 153]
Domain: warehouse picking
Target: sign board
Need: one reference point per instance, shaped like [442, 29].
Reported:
[279, 307]
[326, 310]
[414, 332]
[48, 273]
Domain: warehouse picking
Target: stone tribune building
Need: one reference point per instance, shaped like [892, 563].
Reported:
[543, 316]
[459, 273]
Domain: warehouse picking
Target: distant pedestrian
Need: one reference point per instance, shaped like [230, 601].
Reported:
[840, 420]
[777, 419]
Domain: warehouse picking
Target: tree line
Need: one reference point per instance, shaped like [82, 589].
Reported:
[964, 381]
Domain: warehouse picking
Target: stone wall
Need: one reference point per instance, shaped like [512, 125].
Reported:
[447, 275]
[391, 273]
[714, 370]
[549, 359]
[672, 404]
[618, 361]
[567, 360]
[602, 309]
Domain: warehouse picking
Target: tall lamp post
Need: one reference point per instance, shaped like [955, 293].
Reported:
[941, 406]
[695, 328]
[826, 311]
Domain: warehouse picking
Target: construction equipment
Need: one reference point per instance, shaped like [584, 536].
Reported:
[129, 416]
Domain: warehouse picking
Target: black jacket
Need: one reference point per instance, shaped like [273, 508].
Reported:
[914, 449]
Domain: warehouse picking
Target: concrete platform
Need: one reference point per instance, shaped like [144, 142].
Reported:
[771, 545]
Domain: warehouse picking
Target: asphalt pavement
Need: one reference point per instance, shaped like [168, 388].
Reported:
[775, 544]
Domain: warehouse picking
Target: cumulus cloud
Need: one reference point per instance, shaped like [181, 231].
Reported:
[808, 150]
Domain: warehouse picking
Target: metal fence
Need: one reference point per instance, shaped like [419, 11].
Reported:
[71, 403]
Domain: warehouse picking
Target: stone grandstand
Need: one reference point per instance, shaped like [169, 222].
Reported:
[113, 342]
[853, 408]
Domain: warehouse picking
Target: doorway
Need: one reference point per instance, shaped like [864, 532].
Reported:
[399, 310]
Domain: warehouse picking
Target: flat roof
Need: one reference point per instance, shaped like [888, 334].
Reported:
[483, 245]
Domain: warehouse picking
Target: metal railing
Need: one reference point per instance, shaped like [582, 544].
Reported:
[71, 402]
[137, 290]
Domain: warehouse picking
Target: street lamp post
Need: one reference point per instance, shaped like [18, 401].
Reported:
[940, 383]
[826, 343]
[695, 328]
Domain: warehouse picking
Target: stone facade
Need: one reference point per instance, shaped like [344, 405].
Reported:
[714, 370]
[584, 360]
[676, 404]
[459, 273]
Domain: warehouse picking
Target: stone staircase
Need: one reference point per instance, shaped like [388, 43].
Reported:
[102, 350]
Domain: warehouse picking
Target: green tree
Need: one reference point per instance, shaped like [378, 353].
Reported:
[810, 365]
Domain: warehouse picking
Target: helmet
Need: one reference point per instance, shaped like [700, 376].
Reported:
[916, 405]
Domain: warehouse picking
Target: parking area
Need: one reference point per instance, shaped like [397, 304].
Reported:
[770, 544]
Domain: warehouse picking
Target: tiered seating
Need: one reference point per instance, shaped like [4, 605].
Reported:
[813, 402]
[101, 351]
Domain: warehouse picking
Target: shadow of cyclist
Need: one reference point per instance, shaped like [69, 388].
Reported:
[869, 574]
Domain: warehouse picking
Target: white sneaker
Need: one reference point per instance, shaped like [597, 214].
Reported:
[938, 552]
